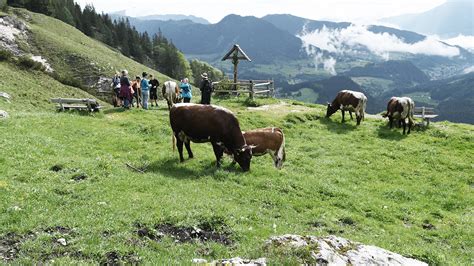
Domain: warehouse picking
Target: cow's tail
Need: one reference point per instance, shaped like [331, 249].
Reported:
[281, 154]
[173, 141]
[364, 105]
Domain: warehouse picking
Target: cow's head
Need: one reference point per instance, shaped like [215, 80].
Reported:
[243, 156]
[330, 110]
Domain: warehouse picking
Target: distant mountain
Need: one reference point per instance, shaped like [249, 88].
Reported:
[297, 26]
[401, 72]
[176, 17]
[447, 20]
[263, 42]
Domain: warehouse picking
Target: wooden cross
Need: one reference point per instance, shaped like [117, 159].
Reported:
[236, 54]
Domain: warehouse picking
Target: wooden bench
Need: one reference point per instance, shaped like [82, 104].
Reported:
[64, 104]
[425, 113]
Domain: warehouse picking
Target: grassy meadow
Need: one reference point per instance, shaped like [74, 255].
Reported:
[103, 187]
[408, 194]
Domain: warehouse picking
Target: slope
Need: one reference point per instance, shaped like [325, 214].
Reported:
[409, 194]
[76, 58]
[31, 91]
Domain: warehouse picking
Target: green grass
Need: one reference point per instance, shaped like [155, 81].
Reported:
[32, 91]
[366, 183]
[306, 95]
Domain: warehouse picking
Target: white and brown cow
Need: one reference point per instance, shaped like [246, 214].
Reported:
[170, 92]
[270, 140]
[351, 101]
[401, 108]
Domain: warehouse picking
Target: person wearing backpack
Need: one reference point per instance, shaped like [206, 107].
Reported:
[154, 83]
[116, 90]
[206, 89]
[145, 85]
[126, 91]
[186, 93]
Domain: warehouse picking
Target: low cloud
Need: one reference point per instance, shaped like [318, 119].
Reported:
[347, 40]
[328, 63]
[464, 41]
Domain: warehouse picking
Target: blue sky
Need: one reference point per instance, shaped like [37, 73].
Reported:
[213, 10]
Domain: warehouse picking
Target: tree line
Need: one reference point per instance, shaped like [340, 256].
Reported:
[154, 51]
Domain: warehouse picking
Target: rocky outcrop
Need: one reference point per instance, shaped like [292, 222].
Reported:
[233, 261]
[333, 250]
[10, 29]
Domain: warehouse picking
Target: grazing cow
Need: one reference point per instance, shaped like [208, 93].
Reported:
[351, 101]
[170, 92]
[270, 140]
[207, 123]
[401, 108]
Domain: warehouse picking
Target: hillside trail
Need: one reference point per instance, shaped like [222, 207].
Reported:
[280, 109]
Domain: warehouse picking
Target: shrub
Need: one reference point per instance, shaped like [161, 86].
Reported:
[5, 55]
[26, 62]
[67, 80]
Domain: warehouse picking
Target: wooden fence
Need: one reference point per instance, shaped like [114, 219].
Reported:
[254, 88]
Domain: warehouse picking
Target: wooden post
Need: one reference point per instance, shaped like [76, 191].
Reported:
[235, 61]
[251, 90]
[61, 104]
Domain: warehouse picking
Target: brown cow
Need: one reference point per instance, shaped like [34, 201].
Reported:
[401, 108]
[351, 101]
[209, 123]
[171, 93]
[270, 140]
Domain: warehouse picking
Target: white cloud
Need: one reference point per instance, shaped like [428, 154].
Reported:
[342, 41]
[468, 70]
[464, 41]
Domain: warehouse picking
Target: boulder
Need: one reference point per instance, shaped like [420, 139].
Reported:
[333, 250]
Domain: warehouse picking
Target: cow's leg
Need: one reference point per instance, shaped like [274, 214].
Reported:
[179, 145]
[343, 113]
[218, 151]
[404, 123]
[390, 121]
[188, 148]
[359, 118]
[410, 125]
[350, 113]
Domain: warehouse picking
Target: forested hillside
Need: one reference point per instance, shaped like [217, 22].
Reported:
[155, 50]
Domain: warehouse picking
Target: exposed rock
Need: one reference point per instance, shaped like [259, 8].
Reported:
[333, 250]
[233, 261]
[3, 114]
[47, 66]
[10, 30]
[62, 241]
[103, 85]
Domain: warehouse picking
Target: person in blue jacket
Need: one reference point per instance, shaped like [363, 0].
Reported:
[186, 92]
[145, 86]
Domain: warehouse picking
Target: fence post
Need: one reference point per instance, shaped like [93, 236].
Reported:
[251, 90]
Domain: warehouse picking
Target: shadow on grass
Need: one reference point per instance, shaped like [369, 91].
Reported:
[173, 168]
[114, 110]
[384, 132]
[338, 127]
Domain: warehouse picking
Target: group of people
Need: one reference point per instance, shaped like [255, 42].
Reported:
[141, 90]
[128, 93]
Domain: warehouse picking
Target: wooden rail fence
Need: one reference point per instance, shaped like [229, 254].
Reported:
[254, 88]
